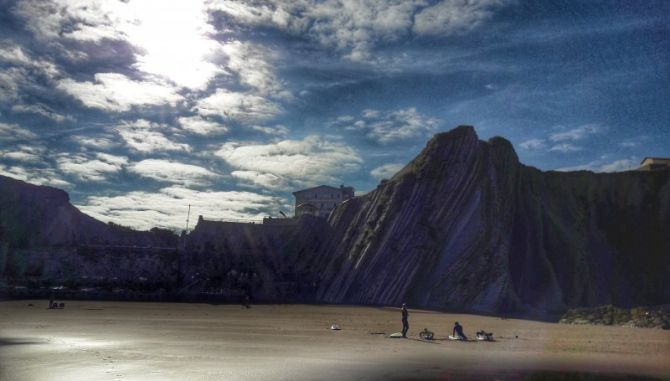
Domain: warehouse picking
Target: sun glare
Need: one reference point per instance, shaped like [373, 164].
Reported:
[173, 41]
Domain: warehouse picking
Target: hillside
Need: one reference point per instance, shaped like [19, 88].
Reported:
[36, 216]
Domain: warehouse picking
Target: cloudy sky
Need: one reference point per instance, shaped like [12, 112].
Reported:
[140, 108]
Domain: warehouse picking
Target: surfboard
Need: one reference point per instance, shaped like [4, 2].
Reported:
[396, 335]
[455, 337]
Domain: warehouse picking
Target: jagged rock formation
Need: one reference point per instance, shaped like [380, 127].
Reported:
[465, 226]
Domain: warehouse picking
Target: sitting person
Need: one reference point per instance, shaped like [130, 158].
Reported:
[458, 331]
[483, 335]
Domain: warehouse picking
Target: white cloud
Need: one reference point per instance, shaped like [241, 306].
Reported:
[634, 142]
[265, 180]
[605, 164]
[277, 130]
[173, 172]
[202, 126]
[24, 153]
[97, 142]
[454, 16]
[252, 63]
[620, 165]
[241, 107]
[43, 110]
[308, 161]
[33, 175]
[356, 27]
[145, 136]
[386, 171]
[565, 148]
[13, 132]
[533, 144]
[387, 127]
[116, 92]
[11, 80]
[16, 55]
[168, 207]
[86, 168]
[578, 133]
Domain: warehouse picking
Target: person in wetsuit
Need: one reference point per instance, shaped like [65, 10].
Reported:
[458, 331]
[405, 322]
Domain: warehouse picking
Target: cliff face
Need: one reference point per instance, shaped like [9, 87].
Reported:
[465, 226]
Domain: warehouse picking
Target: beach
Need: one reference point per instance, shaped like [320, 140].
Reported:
[92, 340]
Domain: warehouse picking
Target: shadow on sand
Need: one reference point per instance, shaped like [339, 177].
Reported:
[7, 341]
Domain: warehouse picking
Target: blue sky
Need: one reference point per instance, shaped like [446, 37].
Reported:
[140, 108]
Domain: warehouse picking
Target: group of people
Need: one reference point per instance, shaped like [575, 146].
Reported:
[457, 331]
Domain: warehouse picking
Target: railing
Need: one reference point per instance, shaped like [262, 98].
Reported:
[235, 220]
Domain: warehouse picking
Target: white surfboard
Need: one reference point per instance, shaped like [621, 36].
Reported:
[396, 335]
[455, 338]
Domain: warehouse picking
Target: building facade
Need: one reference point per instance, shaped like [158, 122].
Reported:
[320, 201]
[655, 164]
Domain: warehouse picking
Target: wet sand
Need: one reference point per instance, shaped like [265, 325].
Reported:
[91, 340]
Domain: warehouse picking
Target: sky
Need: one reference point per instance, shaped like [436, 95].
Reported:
[139, 108]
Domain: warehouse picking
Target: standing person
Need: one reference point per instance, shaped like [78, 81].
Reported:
[458, 331]
[405, 323]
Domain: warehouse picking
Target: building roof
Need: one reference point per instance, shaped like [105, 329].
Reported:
[654, 158]
[320, 187]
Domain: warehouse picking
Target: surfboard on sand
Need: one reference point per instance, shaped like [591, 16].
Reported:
[456, 338]
[396, 335]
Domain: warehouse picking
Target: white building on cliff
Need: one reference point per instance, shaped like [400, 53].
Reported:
[321, 200]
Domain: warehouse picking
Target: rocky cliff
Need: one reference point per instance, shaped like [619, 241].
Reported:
[465, 226]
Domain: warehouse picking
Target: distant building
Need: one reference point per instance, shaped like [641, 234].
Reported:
[321, 200]
[655, 164]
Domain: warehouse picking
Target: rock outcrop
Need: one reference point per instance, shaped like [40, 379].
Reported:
[639, 317]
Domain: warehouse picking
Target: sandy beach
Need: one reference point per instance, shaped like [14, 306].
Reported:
[89, 340]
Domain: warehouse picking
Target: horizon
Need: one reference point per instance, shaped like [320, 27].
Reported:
[138, 112]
